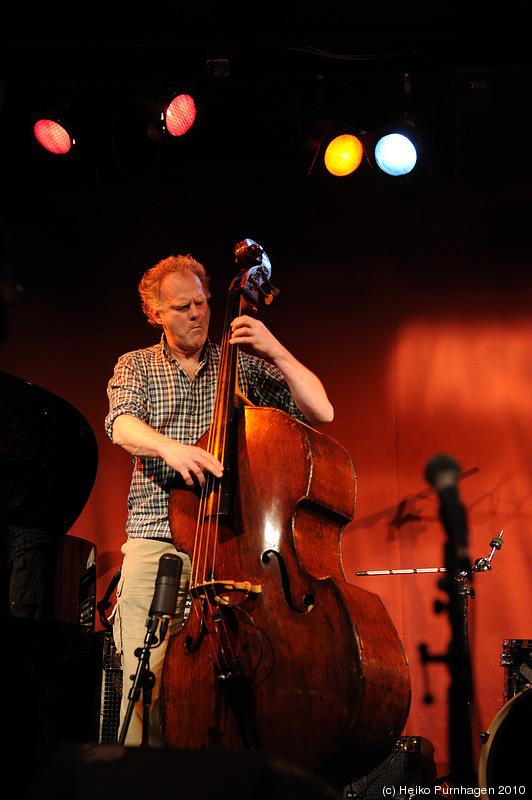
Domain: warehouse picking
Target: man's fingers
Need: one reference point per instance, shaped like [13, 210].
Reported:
[214, 466]
[189, 480]
[198, 465]
[193, 463]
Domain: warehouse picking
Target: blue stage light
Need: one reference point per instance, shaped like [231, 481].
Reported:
[395, 154]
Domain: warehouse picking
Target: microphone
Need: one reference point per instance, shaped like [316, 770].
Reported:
[166, 590]
[443, 473]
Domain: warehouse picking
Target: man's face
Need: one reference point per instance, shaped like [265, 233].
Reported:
[184, 313]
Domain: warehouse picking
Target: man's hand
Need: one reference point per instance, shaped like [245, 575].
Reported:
[307, 390]
[191, 462]
[251, 331]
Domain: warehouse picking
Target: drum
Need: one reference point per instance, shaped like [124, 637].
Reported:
[504, 764]
[516, 658]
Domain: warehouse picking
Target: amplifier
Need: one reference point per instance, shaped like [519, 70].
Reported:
[409, 766]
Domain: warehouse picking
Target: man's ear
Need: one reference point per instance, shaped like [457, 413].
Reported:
[155, 314]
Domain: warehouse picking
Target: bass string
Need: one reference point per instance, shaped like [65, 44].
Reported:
[200, 547]
[202, 599]
[203, 569]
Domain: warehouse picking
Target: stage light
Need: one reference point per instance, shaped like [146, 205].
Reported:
[336, 148]
[343, 155]
[54, 129]
[180, 115]
[53, 136]
[395, 154]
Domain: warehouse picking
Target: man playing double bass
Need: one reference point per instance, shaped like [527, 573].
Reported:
[161, 401]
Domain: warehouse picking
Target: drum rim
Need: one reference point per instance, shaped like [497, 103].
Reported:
[494, 726]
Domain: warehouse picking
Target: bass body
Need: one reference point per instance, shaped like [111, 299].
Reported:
[279, 653]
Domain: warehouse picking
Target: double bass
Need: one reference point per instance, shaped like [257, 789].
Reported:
[278, 653]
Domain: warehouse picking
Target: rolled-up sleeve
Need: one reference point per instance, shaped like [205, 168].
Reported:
[126, 392]
[265, 386]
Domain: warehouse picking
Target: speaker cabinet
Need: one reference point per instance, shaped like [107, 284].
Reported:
[410, 764]
[494, 115]
[110, 691]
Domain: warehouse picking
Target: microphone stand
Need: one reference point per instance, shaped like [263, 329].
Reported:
[143, 680]
[459, 662]
[162, 608]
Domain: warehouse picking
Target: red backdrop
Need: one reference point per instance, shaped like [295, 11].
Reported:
[415, 311]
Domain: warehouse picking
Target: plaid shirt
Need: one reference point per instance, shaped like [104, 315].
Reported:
[153, 386]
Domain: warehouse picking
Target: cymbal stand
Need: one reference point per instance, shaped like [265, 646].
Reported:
[480, 565]
[465, 591]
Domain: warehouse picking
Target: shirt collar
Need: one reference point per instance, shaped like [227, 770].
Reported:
[204, 353]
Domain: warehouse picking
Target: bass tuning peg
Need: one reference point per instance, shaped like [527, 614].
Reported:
[268, 291]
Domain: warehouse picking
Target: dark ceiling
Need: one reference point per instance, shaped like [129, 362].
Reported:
[265, 81]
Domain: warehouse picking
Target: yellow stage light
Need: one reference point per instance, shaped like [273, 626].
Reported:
[343, 155]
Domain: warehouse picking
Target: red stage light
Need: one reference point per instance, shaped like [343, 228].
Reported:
[180, 115]
[52, 136]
